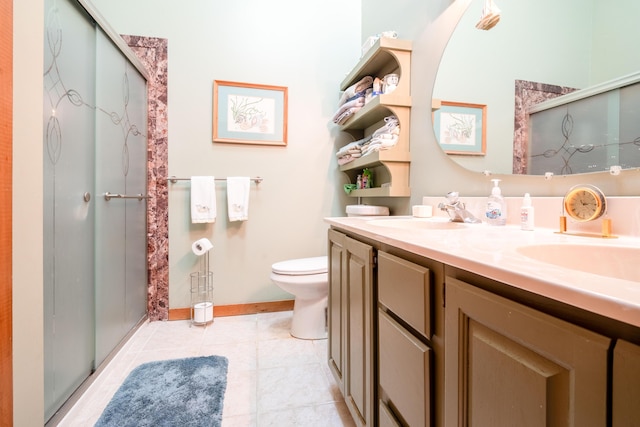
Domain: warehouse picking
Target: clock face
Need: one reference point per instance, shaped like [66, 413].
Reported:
[584, 203]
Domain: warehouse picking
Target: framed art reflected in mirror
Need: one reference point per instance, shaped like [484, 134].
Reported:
[461, 128]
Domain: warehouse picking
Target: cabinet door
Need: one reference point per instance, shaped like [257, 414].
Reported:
[404, 374]
[509, 365]
[337, 307]
[405, 289]
[626, 384]
[359, 371]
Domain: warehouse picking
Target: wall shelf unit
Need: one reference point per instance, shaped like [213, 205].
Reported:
[375, 110]
[390, 167]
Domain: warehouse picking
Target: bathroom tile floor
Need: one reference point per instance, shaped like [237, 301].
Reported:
[273, 379]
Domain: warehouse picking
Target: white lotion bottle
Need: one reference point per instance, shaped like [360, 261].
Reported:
[526, 213]
[496, 211]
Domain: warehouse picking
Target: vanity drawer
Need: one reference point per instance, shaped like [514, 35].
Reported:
[405, 289]
[405, 379]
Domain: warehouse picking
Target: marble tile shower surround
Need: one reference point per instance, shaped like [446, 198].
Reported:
[624, 211]
[528, 94]
[153, 53]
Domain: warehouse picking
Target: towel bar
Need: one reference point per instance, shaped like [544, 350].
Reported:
[108, 196]
[173, 179]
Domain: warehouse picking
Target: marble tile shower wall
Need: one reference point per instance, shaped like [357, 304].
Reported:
[153, 52]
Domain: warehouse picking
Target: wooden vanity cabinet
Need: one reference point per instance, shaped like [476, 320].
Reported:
[336, 308]
[352, 328]
[406, 321]
[404, 391]
[415, 342]
[626, 385]
[510, 365]
[386, 329]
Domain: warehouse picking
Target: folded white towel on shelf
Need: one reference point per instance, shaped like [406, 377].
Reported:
[238, 188]
[346, 115]
[362, 85]
[203, 199]
[358, 102]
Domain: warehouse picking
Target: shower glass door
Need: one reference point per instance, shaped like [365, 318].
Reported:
[69, 123]
[121, 147]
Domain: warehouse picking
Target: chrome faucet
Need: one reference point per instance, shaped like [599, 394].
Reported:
[456, 210]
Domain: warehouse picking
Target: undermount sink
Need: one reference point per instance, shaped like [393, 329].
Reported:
[417, 223]
[618, 262]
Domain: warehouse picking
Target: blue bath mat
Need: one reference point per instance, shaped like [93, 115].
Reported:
[170, 393]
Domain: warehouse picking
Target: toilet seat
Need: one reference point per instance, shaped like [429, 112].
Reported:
[301, 266]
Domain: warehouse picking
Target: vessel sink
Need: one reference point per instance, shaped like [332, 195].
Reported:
[417, 223]
[620, 262]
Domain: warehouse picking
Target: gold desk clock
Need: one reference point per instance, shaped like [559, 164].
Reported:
[584, 203]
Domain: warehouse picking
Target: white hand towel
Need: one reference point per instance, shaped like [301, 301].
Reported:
[203, 199]
[238, 198]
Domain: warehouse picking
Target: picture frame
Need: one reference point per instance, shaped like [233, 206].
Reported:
[247, 113]
[461, 128]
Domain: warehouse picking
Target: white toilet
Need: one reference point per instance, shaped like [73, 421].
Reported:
[307, 280]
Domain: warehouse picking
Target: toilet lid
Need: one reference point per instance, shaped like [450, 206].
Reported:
[301, 266]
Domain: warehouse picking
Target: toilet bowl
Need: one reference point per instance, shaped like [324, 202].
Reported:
[307, 280]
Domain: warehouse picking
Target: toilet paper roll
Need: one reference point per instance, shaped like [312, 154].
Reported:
[203, 312]
[201, 246]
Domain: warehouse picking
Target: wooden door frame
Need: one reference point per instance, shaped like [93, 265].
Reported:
[6, 184]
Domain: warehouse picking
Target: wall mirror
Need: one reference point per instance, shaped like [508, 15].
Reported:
[540, 50]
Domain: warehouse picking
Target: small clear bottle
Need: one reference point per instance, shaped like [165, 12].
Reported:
[526, 213]
[359, 182]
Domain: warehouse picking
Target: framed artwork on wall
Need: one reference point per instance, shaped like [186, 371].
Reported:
[246, 113]
[461, 128]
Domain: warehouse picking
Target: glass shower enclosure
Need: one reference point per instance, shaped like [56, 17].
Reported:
[95, 144]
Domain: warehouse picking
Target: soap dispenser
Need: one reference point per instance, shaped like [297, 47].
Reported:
[496, 212]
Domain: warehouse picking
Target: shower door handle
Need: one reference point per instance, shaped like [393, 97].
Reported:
[108, 196]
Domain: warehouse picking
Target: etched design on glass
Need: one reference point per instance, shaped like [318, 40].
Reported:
[57, 92]
[587, 135]
[566, 151]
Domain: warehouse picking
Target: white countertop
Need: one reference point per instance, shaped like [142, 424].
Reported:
[491, 252]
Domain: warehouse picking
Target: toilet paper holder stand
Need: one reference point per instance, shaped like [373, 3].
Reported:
[202, 293]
